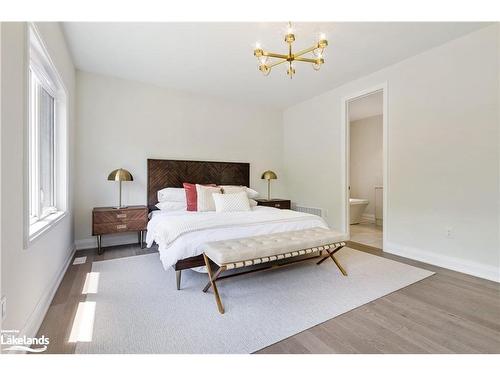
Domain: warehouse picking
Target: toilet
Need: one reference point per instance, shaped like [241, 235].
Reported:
[357, 207]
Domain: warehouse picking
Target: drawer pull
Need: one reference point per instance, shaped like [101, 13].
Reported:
[277, 205]
[121, 216]
[121, 226]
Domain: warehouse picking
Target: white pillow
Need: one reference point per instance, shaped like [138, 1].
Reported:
[204, 200]
[172, 195]
[252, 202]
[172, 206]
[252, 194]
[231, 202]
[231, 189]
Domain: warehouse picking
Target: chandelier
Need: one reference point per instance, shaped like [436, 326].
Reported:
[265, 64]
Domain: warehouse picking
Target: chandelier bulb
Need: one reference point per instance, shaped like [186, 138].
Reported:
[318, 52]
[265, 69]
[317, 65]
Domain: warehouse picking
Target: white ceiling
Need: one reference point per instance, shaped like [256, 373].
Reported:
[217, 58]
[367, 106]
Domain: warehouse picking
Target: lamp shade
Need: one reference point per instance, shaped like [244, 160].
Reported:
[120, 175]
[269, 175]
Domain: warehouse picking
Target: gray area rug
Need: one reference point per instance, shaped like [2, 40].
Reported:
[138, 309]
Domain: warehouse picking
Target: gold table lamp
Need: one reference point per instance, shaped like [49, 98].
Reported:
[269, 175]
[120, 175]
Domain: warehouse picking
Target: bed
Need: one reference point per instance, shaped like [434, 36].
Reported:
[181, 235]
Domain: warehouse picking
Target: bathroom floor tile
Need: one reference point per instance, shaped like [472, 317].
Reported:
[367, 234]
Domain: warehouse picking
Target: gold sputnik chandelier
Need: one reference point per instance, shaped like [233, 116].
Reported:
[265, 64]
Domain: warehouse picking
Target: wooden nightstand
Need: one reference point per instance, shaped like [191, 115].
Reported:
[284, 204]
[107, 220]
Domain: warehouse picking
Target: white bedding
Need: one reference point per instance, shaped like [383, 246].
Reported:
[181, 234]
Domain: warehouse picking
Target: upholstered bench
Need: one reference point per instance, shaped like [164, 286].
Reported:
[249, 251]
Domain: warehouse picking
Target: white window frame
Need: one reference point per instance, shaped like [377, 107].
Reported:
[39, 66]
[38, 83]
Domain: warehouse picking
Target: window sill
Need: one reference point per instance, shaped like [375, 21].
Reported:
[42, 226]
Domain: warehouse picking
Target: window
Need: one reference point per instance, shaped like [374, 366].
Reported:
[46, 143]
[42, 158]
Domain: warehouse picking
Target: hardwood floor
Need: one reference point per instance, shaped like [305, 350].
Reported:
[58, 321]
[448, 312]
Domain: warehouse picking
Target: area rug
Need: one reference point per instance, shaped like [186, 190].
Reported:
[139, 310]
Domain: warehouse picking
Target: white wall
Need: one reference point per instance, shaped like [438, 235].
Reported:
[1, 290]
[443, 154]
[29, 276]
[498, 122]
[122, 123]
[366, 160]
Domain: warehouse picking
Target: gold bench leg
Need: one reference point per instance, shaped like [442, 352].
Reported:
[330, 255]
[215, 276]
[214, 286]
[339, 266]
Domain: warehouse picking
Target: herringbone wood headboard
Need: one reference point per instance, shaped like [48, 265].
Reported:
[172, 173]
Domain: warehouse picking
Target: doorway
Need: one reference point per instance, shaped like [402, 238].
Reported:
[366, 173]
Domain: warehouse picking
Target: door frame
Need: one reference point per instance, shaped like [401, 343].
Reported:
[345, 154]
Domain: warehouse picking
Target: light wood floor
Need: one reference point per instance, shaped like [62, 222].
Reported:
[367, 234]
[448, 312]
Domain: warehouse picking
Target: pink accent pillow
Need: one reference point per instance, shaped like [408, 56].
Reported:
[192, 195]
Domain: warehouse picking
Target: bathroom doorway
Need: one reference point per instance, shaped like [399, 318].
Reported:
[365, 169]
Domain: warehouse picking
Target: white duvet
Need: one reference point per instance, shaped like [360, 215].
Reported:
[182, 234]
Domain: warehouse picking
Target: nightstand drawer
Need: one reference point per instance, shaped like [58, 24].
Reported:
[283, 204]
[107, 228]
[120, 216]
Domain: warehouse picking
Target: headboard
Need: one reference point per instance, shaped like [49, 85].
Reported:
[172, 173]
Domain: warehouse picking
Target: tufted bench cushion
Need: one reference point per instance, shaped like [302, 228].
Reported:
[239, 252]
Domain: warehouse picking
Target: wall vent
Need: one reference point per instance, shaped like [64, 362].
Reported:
[309, 210]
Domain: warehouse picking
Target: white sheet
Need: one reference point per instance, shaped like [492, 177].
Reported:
[181, 235]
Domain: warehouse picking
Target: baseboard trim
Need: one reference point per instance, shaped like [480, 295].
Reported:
[460, 265]
[368, 218]
[35, 320]
[107, 240]
[87, 243]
